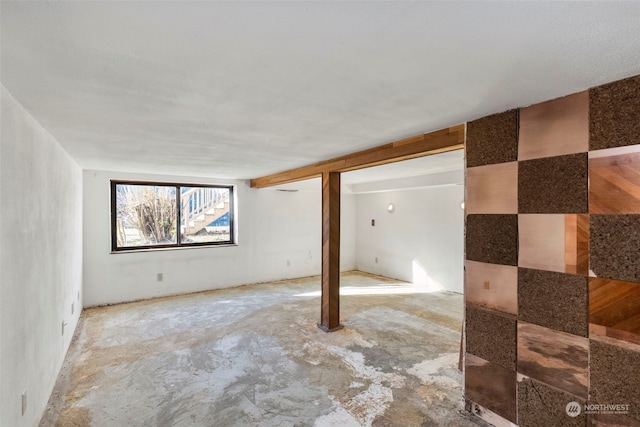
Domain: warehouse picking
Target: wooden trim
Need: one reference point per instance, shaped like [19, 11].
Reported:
[330, 313]
[409, 148]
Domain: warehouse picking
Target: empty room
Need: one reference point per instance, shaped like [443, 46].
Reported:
[336, 213]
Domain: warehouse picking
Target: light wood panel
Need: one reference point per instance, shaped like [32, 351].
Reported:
[491, 386]
[554, 242]
[542, 241]
[409, 148]
[492, 286]
[330, 313]
[615, 181]
[555, 358]
[614, 309]
[492, 189]
[554, 128]
[576, 249]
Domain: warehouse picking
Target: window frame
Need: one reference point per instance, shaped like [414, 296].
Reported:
[179, 244]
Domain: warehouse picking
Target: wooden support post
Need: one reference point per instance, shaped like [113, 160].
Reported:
[330, 315]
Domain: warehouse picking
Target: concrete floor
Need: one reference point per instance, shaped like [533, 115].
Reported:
[253, 356]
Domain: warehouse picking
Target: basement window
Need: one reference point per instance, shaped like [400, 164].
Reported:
[152, 215]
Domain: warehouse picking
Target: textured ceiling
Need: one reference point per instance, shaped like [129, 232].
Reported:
[244, 89]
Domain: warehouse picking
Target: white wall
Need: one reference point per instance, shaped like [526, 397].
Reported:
[40, 261]
[273, 227]
[347, 231]
[421, 241]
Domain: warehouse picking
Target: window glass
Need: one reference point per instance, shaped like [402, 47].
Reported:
[151, 215]
[205, 215]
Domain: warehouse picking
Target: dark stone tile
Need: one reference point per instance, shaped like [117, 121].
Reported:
[614, 114]
[555, 358]
[614, 375]
[614, 247]
[541, 405]
[554, 184]
[492, 139]
[555, 300]
[490, 386]
[492, 238]
[491, 336]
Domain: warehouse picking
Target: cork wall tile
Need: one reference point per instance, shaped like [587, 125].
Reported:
[554, 300]
[492, 189]
[614, 309]
[492, 238]
[555, 128]
[614, 374]
[554, 185]
[492, 139]
[614, 180]
[614, 114]
[555, 358]
[490, 386]
[614, 244]
[492, 286]
[554, 242]
[491, 335]
[541, 405]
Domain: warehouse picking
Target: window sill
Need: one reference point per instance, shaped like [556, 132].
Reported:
[177, 248]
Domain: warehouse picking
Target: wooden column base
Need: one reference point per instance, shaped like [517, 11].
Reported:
[324, 328]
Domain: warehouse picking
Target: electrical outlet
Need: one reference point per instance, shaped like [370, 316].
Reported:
[24, 402]
[72, 308]
[486, 284]
[376, 260]
[63, 325]
[78, 295]
[160, 277]
[373, 222]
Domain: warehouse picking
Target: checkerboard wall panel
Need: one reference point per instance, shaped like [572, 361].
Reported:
[561, 202]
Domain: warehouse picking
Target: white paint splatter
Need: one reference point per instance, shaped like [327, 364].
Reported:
[374, 401]
[369, 404]
[428, 370]
[339, 417]
[355, 361]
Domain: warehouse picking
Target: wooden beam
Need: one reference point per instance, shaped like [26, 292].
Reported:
[330, 314]
[417, 146]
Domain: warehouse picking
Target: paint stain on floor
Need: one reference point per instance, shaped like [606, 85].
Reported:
[254, 356]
